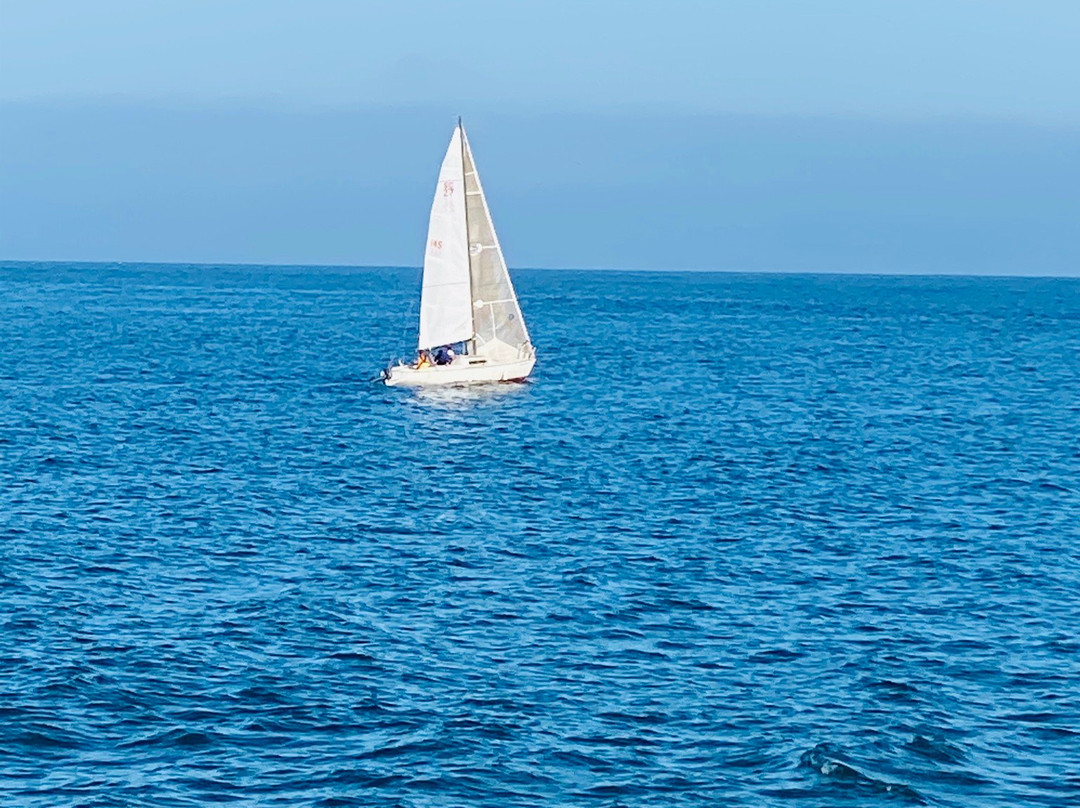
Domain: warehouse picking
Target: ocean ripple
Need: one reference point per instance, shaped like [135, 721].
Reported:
[743, 540]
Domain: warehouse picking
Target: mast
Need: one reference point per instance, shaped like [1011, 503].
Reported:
[468, 243]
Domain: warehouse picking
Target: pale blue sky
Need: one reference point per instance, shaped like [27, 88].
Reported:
[776, 134]
[902, 57]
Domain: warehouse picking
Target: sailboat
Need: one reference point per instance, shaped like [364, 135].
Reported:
[471, 328]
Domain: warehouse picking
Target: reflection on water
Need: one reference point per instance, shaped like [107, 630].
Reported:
[464, 397]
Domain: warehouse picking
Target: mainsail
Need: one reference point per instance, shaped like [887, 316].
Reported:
[445, 302]
[467, 295]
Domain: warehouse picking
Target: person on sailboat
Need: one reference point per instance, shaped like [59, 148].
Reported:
[444, 355]
[423, 361]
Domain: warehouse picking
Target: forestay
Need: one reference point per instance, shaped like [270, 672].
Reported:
[446, 312]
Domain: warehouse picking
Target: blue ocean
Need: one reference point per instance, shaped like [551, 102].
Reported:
[742, 540]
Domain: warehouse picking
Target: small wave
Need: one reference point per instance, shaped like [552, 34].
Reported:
[832, 765]
[774, 656]
[177, 736]
[1032, 718]
[936, 749]
[54, 738]
[352, 656]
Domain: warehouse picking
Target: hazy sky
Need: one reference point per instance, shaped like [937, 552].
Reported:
[910, 57]
[925, 135]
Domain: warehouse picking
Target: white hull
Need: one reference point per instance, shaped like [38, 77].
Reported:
[463, 370]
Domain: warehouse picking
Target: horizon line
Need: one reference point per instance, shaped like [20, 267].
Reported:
[668, 270]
